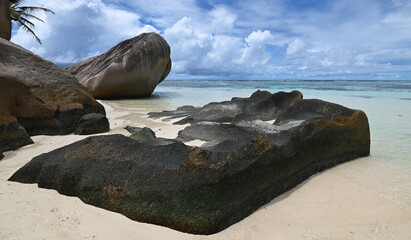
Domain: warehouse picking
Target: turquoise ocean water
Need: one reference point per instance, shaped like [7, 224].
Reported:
[387, 104]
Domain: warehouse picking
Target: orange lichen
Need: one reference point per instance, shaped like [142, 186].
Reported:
[259, 145]
[296, 134]
[229, 157]
[358, 121]
[298, 98]
[112, 192]
[197, 158]
[355, 128]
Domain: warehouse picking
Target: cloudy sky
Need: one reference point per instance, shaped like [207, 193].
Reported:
[238, 39]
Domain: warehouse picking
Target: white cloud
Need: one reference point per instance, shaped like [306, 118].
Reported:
[189, 46]
[222, 20]
[163, 13]
[79, 29]
[198, 52]
[226, 50]
[247, 39]
[295, 46]
[255, 53]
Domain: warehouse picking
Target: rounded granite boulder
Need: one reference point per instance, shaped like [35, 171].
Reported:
[37, 98]
[131, 69]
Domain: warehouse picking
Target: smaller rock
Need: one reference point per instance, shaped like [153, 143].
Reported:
[147, 136]
[133, 130]
[92, 123]
[144, 135]
[12, 137]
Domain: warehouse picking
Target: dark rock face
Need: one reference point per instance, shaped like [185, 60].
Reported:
[92, 123]
[211, 132]
[180, 112]
[132, 69]
[309, 110]
[205, 190]
[261, 105]
[39, 96]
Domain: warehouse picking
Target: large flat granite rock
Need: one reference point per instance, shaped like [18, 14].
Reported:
[203, 190]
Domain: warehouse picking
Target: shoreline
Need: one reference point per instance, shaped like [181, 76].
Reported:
[326, 206]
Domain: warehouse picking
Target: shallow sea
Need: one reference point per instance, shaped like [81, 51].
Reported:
[387, 104]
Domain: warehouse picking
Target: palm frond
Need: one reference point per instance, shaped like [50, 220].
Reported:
[22, 14]
[31, 16]
[14, 15]
[30, 9]
[16, 2]
[26, 21]
[28, 29]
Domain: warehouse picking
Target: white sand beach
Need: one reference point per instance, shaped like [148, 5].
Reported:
[329, 205]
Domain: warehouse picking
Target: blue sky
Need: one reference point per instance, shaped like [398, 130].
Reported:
[245, 39]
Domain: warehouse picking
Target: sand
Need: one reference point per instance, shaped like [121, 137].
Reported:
[326, 206]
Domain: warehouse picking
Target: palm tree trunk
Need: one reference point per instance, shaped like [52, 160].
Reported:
[5, 22]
